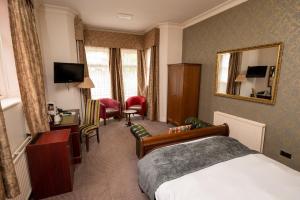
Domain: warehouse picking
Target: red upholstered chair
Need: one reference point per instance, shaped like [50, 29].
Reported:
[137, 103]
[109, 108]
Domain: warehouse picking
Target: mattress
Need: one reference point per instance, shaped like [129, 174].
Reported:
[250, 177]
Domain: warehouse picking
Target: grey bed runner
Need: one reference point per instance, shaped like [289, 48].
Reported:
[171, 162]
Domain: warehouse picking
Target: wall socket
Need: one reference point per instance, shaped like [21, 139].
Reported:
[285, 154]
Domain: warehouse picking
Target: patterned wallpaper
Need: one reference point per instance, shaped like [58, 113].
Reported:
[254, 22]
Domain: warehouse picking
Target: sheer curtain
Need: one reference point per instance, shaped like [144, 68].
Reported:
[98, 67]
[148, 56]
[129, 69]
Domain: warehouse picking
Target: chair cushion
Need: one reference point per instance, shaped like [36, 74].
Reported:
[135, 107]
[139, 131]
[111, 110]
[86, 129]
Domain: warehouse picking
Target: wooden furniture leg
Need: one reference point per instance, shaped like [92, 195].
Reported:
[104, 121]
[87, 143]
[129, 120]
[98, 140]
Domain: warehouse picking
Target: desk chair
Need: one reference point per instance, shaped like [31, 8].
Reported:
[91, 121]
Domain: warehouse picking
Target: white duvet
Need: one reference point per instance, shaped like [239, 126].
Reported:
[252, 177]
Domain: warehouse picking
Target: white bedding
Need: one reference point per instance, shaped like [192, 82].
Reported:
[252, 177]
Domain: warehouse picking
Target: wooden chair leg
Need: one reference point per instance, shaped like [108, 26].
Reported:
[98, 139]
[87, 143]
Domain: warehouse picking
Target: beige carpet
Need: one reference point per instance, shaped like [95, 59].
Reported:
[109, 170]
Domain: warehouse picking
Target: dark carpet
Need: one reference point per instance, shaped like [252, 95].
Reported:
[109, 170]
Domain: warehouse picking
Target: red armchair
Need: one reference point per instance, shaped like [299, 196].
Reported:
[109, 108]
[137, 103]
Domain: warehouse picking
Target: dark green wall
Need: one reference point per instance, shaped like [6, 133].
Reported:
[254, 22]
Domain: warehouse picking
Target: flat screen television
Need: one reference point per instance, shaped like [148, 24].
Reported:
[256, 71]
[68, 72]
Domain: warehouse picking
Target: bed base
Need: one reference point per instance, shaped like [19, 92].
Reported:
[147, 144]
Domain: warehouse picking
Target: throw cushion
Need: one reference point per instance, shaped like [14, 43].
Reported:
[180, 129]
[196, 123]
[190, 120]
[139, 131]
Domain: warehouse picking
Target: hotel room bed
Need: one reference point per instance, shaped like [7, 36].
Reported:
[225, 169]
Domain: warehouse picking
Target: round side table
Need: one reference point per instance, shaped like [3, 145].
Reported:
[127, 114]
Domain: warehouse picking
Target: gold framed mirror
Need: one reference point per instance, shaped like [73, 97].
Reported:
[250, 73]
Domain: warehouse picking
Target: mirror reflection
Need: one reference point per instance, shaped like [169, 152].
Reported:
[248, 73]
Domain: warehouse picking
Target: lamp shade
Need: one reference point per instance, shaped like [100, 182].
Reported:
[240, 78]
[87, 83]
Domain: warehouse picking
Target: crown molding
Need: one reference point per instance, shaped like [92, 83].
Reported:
[60, 9]
[211, 12]
[169, 24]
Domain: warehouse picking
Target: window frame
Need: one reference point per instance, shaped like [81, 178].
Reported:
[3, 88]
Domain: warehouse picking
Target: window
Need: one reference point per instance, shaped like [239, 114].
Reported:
[2, 83]
[129, 68]
[98, 65]
[223, 71]
[148, 57]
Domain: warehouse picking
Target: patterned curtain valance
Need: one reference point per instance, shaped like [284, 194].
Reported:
[79, 28]
[113, 39]
[121, 40]
[151, 38]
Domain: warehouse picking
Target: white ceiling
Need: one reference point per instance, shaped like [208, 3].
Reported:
[102, 14]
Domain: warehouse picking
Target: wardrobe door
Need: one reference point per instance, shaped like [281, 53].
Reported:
[191, 85]
[175, 88]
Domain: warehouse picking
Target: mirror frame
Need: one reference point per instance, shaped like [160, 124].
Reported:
[276, 78]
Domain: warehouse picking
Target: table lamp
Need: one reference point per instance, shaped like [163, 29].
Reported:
[239, 79]
[86, 84]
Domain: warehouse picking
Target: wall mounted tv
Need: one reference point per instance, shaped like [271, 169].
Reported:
[256, 71]
[68, 72]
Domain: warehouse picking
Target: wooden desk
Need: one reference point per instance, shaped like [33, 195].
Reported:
[72, 123]
[50, 164]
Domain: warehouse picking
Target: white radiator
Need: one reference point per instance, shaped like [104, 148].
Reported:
[21, 168]
[248, 132]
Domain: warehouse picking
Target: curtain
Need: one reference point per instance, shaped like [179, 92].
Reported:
[9, 187]
[116, 75]
[233, 72]
[28, 64]
[81, 55]
[141, 73]
[152, 96]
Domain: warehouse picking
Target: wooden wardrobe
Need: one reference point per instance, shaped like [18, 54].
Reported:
[183, 92]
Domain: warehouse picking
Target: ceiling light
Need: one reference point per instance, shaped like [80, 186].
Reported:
[125, 16]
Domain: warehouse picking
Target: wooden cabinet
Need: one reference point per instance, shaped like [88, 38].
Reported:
[72, 124]
[50, 163]
[183, 92]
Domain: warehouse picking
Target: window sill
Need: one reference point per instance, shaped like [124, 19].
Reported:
[7, 103]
